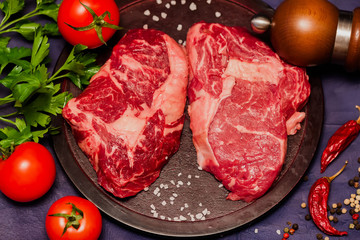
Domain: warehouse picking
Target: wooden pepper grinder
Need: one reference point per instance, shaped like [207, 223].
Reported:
[312, 32]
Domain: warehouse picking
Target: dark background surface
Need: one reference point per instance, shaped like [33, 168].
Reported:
[341, 94]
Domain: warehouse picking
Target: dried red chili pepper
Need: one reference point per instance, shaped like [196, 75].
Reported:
[317, 202]
[339, 141]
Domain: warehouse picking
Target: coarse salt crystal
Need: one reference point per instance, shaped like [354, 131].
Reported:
[179, 174]
[146, 189]
[162, 217]
[163, 203]
[156, 191]
[182, 218]
[278, 232]
[182, 209]
[180, 41]
[159, 1]
[199, 215]
[200, 204]
[163, 15]
[175, 194]
[200, 168]
[155, 18]
[179, 27]
[256, 230]
[173, 2]
[145, 26]
[156, 214]
[172, 182]
[172, 198]
[147, 12]
[180, 183]
[217, 14]
[158, 195]
[189, 176]
[188, 183]
[220, 185]
[192, 6]
[167, 5]
[152, 206]
[208, 1]
[183, 2]
[197, 176]
[186, 205]
[172, 202]
[204, 212]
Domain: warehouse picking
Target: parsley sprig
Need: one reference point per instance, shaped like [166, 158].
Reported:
[33, 93]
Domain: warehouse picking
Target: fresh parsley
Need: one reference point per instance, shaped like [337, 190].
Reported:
[33, 93]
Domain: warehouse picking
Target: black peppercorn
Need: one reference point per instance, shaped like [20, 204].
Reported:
[295, 226]
[307, 217]
[351, 211]
[351, 182]
[338, 211]
[333, 211]
[319, 236]
[357, 226]
[356, 179]
[355, 222]
[335, 220]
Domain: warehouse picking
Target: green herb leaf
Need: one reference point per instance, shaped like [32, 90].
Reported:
[13, 55]
[10, 7]
[40, 49]
[49, 9]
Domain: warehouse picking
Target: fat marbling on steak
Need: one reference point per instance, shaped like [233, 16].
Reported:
[128, 121]
[244, 101]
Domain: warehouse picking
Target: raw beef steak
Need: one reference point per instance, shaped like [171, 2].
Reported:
[128, 121]
[243, 101]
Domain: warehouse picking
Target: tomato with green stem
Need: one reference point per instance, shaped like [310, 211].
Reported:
[74, 218]
[28, 173]
[88, 22]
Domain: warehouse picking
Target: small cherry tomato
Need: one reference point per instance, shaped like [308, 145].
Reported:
[88, 22]
[28, 173]
[73, 218]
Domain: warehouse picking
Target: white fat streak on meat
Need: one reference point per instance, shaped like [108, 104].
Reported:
[293, 123]
[132, 123]
[210, 106]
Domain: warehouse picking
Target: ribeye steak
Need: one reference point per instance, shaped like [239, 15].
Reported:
[128, 121]
[244, 101]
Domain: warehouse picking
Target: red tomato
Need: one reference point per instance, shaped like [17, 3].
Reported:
[72, 12]
[90, 224]
[28, 173]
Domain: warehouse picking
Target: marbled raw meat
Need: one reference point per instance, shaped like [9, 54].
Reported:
[128, 121]
[244, 101]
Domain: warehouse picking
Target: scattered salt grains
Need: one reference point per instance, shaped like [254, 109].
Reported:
[198, 215]
[173, 2]
[162, 217]
[278, 231]
[200, 204]
[156, 191]
[167, 5]
[197, 176]
[146, 189]
[188, 183]
[163, 15]
[186, 205]
[172, 198]
[217, 14]
[145, 26]
[147, 13]
[155, 18]
[179, 174]
[159, 2]
[200, 168]
[192, 6]
[220, 185]
[208, 1]
[175, 194]
[163, 203]
[152, 206]
[179, 27]
[172, 182]
[189, 176]
[183, 2]
[182, 218]
[180, 41]
[256, 230]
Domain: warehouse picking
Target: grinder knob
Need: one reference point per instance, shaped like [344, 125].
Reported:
[312, 32]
